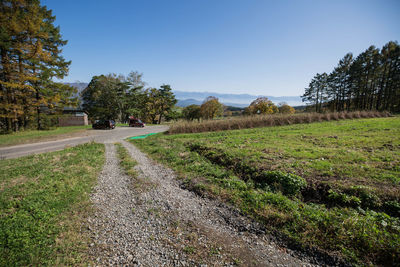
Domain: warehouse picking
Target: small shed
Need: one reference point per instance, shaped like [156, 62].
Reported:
[73, 118]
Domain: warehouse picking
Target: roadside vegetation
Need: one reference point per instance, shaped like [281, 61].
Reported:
[32, 136]
[140, 184]
[334, 186]
[256, 121]
[126, 161]
[44, 203]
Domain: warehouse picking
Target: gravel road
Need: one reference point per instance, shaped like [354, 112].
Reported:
[152, 221]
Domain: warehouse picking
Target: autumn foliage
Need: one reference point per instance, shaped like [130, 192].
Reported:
[30, 49]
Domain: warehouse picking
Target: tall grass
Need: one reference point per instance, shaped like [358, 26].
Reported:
[268, 120]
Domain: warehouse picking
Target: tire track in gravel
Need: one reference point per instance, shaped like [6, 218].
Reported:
[189, 230]
[151, 221]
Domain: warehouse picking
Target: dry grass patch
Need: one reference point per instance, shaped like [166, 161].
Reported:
[257, 121]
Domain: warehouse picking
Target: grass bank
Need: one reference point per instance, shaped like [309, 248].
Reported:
[32, 136]
[44, 202]
[246, 122]
[333, 185]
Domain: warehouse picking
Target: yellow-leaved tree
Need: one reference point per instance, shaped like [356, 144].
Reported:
[211, 108]
[30, 58]
[262, 105]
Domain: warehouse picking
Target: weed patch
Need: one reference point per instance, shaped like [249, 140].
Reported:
[128, 164]
[126, 161]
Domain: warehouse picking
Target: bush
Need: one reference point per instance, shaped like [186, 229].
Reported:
[287, 183]
[342, 199]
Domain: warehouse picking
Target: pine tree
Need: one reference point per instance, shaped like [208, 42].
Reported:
[30, 58]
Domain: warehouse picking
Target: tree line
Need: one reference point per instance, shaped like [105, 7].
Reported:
[212, 108]
[370, 81]
[30, 57]
[117, 97]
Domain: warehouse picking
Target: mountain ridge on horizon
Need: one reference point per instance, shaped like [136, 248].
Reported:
[186, 98]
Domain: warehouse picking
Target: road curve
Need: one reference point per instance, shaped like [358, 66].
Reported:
[100, 136]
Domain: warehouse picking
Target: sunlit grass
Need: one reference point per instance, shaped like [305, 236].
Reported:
[30, 136]
[44, 200]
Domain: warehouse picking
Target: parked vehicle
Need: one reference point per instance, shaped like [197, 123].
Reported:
[135, 122]
[103, 124]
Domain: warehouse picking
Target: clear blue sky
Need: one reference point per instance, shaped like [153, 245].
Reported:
[225, 46]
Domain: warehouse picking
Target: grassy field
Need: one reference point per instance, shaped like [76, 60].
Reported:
[32, 136]
[44, 202]
[332, 185]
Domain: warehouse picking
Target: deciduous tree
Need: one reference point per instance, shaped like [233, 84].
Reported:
[286, 109]
[262, 105]
[211, 108]
[192, 112]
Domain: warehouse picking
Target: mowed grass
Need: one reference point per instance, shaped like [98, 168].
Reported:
[330, 185]
[31, 136]
[44, 203]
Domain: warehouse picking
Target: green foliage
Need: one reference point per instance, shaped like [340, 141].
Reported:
[38, 195]
[192, 112]
[366, 196]
[158, 103]
[104, 97]
[287, 183]
[117, 97]
[342, 199]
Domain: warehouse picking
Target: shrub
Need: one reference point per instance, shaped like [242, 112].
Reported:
[287, 183]
[365, 194]
[342, 199]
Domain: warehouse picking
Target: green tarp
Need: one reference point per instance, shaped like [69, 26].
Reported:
[141, 136]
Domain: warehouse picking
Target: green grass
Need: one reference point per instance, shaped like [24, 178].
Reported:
[44, 202]
[331, 185]
[31, 136]
[126, 161]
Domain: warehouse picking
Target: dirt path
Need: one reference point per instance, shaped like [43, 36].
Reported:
[152, 221]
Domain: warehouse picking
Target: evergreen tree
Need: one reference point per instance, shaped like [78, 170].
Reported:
[317, 91]
[30, 57]
[371, 81]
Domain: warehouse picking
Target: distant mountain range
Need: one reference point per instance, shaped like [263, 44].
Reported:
[234, 100]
